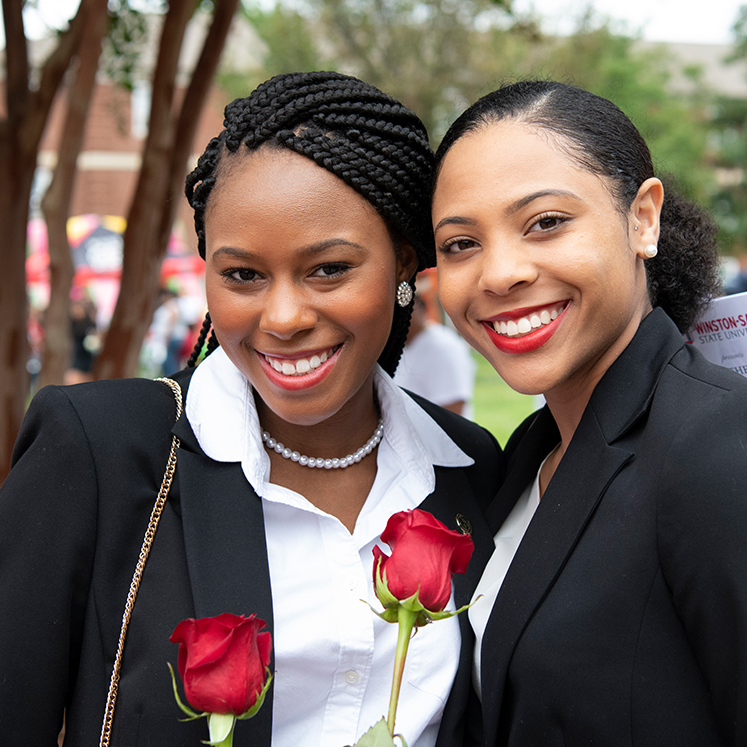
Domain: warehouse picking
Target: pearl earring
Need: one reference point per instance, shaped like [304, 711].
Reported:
[404, 294]
[651, 251]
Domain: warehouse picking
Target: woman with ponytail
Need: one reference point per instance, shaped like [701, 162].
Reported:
[614, 608]
[312, 211]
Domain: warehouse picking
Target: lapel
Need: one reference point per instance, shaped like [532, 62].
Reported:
[590, 464]
[554, 531]
[452, 497]
[537, 436]
[224, 538]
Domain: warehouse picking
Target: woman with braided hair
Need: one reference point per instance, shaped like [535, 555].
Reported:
[614, 608]
[312, 211]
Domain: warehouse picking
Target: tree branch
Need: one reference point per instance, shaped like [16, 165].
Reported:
[16, 63]
[52, 73]
[193, 102]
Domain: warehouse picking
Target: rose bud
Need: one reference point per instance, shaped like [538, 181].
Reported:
[223, 662]
[425, 554]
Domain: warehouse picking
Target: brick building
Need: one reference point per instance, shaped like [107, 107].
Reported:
[117, 124]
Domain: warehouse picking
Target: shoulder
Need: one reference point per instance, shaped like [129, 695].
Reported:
[690, 362]
[118, 403]
[102, 413]
[708, 402]
[697, 426]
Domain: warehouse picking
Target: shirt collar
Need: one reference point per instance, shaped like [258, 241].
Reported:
[220, 408]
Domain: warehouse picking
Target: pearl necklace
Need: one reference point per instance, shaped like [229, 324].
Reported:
[336, 463]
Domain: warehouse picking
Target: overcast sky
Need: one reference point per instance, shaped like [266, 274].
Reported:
[707, 21]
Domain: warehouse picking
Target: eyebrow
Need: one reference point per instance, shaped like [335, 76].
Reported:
[524, 201]
[310, 250]
[514, 207]
[454, 220]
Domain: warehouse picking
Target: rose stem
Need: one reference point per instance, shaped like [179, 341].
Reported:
[406, 621]
[217, 723]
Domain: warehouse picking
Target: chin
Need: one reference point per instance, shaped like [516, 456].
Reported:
[529, 383]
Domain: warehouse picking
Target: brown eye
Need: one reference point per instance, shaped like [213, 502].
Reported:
[240, 275]
[458, 245]
[547, 223]
[331, 270]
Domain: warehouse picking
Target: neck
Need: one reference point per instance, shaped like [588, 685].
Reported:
[568, 400]
[339, 434]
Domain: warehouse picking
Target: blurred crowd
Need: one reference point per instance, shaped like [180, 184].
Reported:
[167, 345]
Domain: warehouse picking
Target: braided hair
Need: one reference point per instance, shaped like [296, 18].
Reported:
[371, 141]
[601, 139]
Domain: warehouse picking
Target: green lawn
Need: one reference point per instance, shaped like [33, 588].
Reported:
[498, 407]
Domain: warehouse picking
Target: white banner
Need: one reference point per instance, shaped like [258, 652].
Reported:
[720, 333]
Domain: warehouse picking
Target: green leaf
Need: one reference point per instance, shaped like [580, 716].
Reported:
[390, 614]
[377, 736]
[192, 715]
[444, 615]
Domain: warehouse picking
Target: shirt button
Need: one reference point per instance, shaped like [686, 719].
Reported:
[352, 677]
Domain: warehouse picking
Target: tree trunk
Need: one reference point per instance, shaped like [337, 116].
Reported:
[56, 202]
[20, 135]
[160, 182]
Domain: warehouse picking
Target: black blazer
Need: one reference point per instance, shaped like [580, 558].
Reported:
[87, 467]
[622, 620]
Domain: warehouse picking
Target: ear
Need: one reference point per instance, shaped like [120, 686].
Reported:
[407, 261]
[644, 215]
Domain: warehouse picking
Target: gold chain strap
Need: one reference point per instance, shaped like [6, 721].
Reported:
[150, 533]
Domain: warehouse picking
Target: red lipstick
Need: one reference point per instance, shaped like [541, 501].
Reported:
[299, 381]
[526, 343]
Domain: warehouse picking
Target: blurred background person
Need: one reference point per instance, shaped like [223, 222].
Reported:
[86, 342]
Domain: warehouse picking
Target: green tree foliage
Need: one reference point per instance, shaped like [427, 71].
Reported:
[728, 138]
[638, 79]
[729, 199]
[430, 55]
[438, 57]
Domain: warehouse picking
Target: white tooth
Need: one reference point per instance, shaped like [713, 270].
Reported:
[496, 326]
[554, 314]
[511, 329]
[504, 328]
[288, 369]
[323, 357]
[315, 361]
[276, 364]
[545, 317]
[524, 325]
[535, 321]
[303, 366]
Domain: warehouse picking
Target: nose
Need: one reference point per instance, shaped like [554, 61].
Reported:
[506, 266]
[286, 311]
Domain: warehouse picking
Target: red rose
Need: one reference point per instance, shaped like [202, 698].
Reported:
[425, 554]
[223, 661]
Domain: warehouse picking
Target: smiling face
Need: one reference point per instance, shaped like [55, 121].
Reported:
[301, 276]
[536, 264]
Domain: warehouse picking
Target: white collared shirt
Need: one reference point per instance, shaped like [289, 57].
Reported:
[507, 540]
[333, 657]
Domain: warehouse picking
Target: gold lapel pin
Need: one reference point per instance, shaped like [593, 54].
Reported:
[463, 523]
